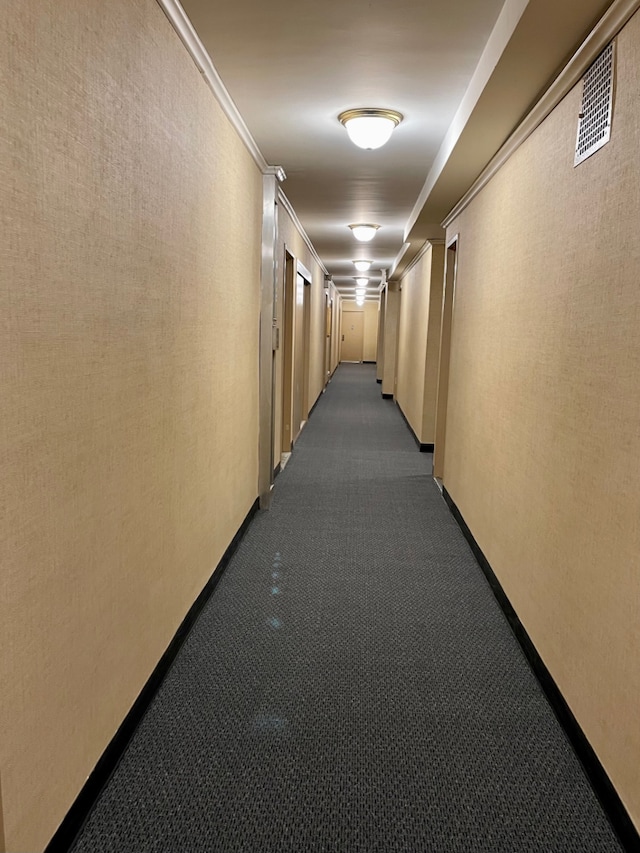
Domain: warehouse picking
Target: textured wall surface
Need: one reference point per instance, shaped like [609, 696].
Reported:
[543, 438]
[129, 300]
[370, 342]
[412, 341]
[432, 354]
[419, 342]
[391, 324]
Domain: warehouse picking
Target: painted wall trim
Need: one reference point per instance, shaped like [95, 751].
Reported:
[284, 201]
[600, 782]
[398, 258]
[423, 251]
[77, 815]
[184, 28]
[496, 44]
[304, 272]
[605, 30]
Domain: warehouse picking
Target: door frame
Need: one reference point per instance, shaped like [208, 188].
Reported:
[288, 331]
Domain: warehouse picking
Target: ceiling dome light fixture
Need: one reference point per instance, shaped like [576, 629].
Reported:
[370, 127]
[361, 291]
[362, 282]
[362, 266]
[364, 231]
[359, 300]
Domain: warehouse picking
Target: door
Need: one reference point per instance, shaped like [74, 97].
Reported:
[352, 336]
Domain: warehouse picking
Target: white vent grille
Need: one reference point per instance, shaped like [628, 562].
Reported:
[594, 123]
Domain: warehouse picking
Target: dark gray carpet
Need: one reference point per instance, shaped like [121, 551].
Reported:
[352, 685]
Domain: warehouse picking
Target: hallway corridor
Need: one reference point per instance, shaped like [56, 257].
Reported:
[352, 685]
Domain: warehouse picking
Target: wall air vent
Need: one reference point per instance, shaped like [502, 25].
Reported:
[594, 121]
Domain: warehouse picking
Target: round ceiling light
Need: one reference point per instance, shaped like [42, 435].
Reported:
[370, 127]
[364, 231]
[362, 266]
[361, 291]
[362, 282]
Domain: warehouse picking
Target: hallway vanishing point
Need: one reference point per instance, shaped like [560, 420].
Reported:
[352, 684]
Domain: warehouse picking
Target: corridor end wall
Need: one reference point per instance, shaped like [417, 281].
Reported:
[130, 302]
[543, 440]
[369, 311]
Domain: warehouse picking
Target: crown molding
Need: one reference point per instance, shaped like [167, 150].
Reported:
[423, 251]
[284, 201]
[277, 171]
[398, 259]
[190, 39]
[497, 42]
[607, 28]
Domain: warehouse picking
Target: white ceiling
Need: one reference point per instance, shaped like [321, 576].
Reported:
[462, 72]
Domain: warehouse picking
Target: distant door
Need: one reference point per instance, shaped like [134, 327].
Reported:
[352, 336]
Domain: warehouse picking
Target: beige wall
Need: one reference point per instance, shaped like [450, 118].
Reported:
[370, 343]
[129, 293]
[335, 328]
[432, 353]
[543, 439]
[419, 342]
[391, 324]
[380, 339]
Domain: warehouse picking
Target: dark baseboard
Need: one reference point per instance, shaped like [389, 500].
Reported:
[367, 361]
[277, 470]
[107, 763]
[379, 381]
[604, 790]
[422, 447]
[387, 396]
[311, 410]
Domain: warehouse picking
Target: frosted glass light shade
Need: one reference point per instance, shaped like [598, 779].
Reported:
[359, 300]
[362, 282]
[362, 266]
[364, 231]
[361, 291]
[370, 128]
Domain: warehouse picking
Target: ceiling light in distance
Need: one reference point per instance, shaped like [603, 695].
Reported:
[364, 231]
[362, 282]
[361, 291]
[359, 300]
[370, 127]
[362, 266]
